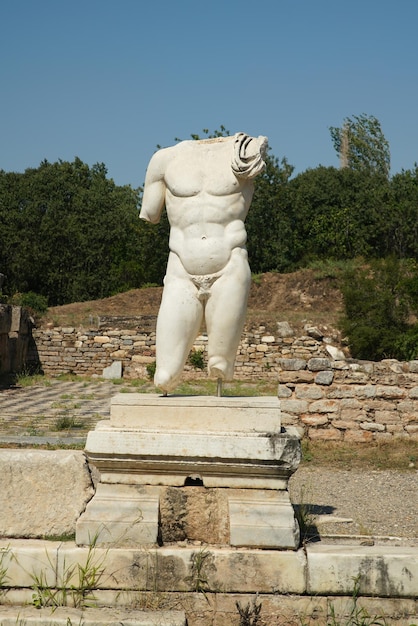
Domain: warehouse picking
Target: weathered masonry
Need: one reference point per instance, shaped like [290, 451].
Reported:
[322, 393]
[324, 397]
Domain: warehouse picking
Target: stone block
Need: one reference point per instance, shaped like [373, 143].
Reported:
[17, 319]
[262, 519]
[356, 415]
[324, 406]
[394, 428]
[142, 359]
[296, 377]
[343, 424]
[120, 515]
[390, 391]
[118, 354]
[194, 514]
[294, 406]
[309, 392]
[195, 413]
[292, 365]
[412, 429]
[283, 391]
[413, 393]
[270, 571]
[285, 330]
[340, 392]
[114, 370]
[324, 378]
[317, 364]
[335, 353]
[314, 419]
[372, 426]
[325, 434]
[220, 459]
[365, 391]
[385, 571]
[43, 492]
[176, 568]
[28, 561]
[62, 616]
[101, 339]
[358, 436]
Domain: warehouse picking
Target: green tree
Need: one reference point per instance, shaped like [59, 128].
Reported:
[153, 250]
[361, 144]
[380, 300]
[67, 229]
[269, 221]
[401, 235]
[337, 213]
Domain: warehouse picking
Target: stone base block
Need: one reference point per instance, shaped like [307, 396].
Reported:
[120, 515]
[218, 459]
[318, 570]
[154, 448]
[130, 515]
[262, 519]
[43, 492]
[195, 413]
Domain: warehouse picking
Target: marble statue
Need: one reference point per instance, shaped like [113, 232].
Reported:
[206, 187]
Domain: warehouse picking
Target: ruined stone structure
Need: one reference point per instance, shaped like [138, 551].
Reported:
[323, 397]
[15, 338]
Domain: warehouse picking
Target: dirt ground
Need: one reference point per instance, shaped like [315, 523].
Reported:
[300, 297]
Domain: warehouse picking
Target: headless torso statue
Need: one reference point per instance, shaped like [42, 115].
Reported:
[206, 187]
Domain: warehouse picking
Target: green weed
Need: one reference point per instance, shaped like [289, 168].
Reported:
[26, 378]
[305, 515]
[199, 563]
[151, 370]
[67, 422]
[250, 614]
[357, 616]
[66, 593]
[3, 569]
[332, 268]
[197, 360]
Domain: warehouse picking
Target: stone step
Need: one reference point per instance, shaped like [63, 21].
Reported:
[384, 571]
[66, 616]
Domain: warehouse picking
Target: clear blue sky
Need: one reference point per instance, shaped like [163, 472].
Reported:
[108, 80]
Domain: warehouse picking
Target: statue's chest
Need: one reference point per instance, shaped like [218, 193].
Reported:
[198, 171]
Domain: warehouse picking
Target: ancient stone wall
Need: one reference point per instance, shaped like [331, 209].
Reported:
[88, 352]
[322, 393]
[349, 400]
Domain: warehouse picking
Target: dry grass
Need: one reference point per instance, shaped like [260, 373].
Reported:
[296, 297]
[399, 454]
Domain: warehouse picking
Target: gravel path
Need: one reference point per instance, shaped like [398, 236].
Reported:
[378, 503]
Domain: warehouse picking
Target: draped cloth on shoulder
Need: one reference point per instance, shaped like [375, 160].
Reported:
[248, 155]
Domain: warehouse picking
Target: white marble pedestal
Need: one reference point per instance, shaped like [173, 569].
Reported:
[200, 468]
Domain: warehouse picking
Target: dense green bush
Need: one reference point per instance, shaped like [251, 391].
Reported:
[31, 300]
[381, 303]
